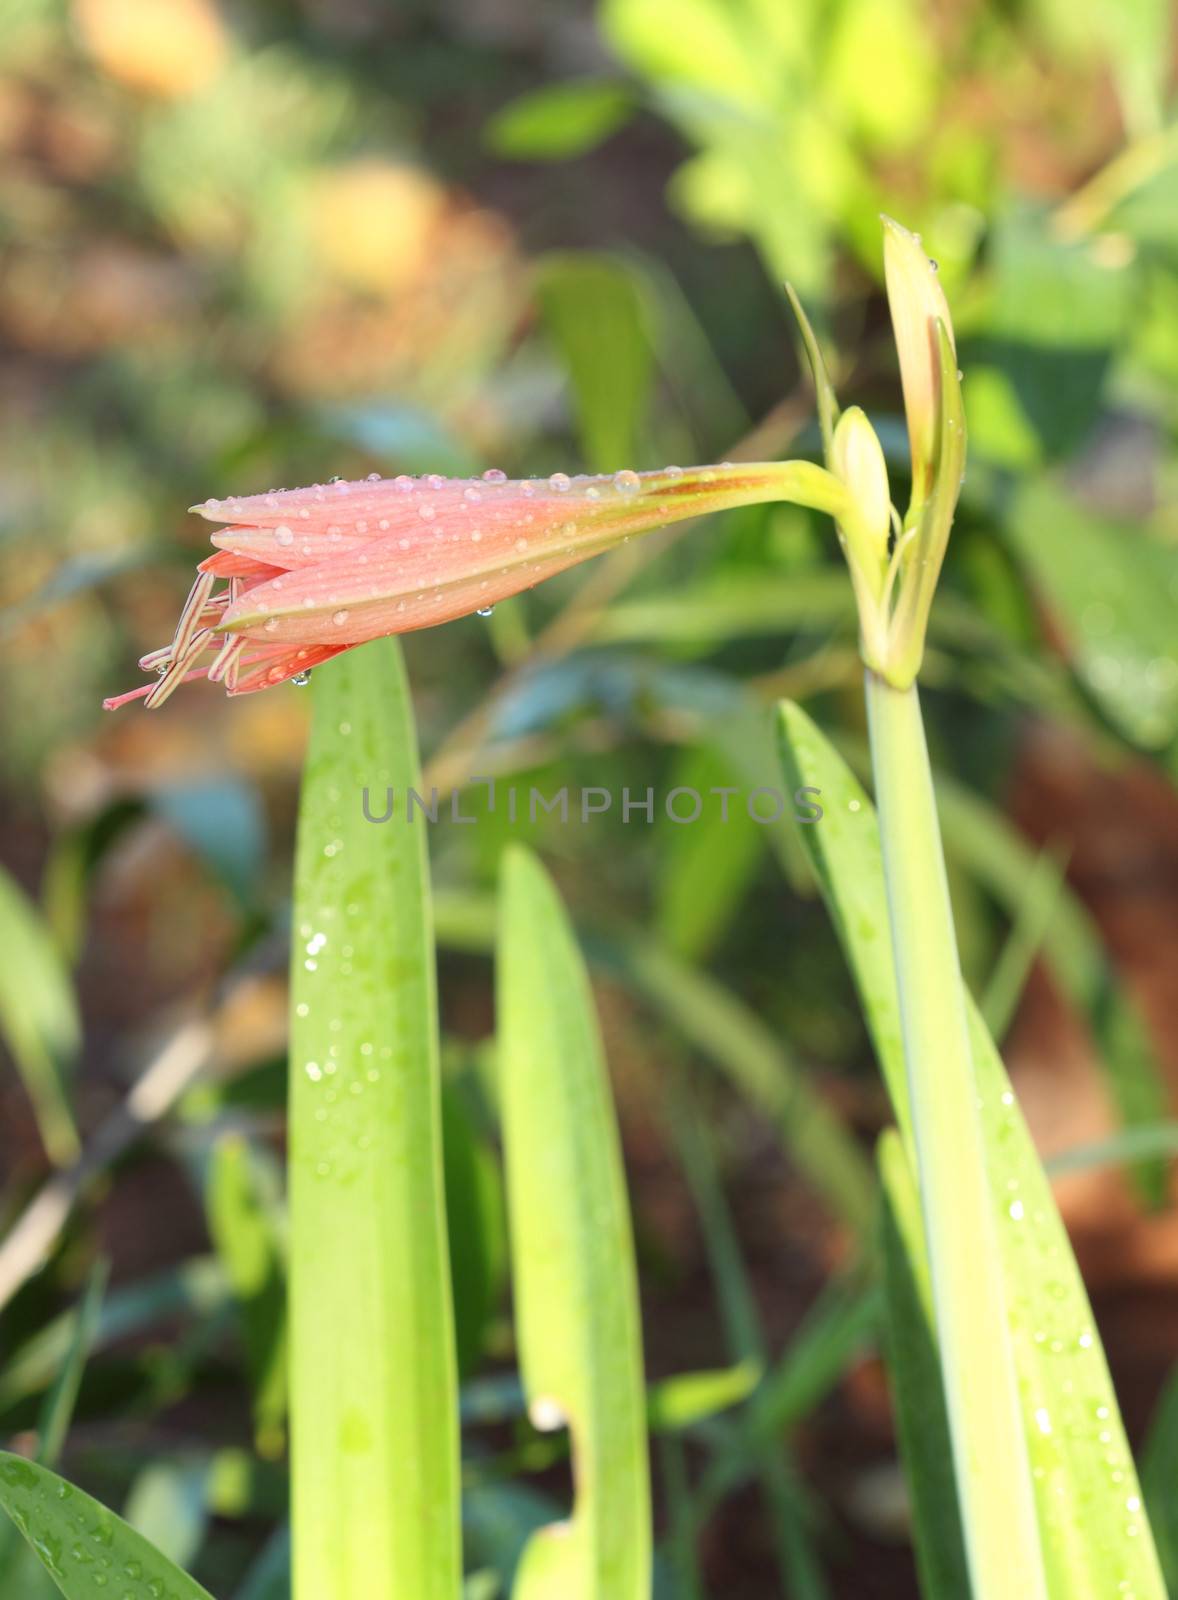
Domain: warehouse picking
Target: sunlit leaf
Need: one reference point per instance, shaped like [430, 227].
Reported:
[1092, 1539]
[372, 1380]
[576, 1297]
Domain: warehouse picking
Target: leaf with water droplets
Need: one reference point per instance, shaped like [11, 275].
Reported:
[83, 1546]
[372, 1373]
[1094, 1533]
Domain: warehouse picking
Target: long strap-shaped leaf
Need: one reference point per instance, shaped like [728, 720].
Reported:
[85, 1548]
[373, 1409]
[576, 1293]
[1096, 1539]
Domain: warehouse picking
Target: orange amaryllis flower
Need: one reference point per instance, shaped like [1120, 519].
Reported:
[308, 573]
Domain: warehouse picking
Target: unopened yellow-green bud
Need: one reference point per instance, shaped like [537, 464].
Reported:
[917, 304]
[857, 460]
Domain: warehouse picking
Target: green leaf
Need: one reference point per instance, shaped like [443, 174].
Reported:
[477, 1227]
[38, 1017]
[1093, 1530]
[1111, 589]
[576, 1292]
[58, 1407]
[244, 1229]
[594, 310]
[559, 121]
[979, 837]
[706, 866]
[691, 1397]
[82, 1545]
[1159, 1474]
[918, 1397]
[716, 1022]
[169, 1505]
[372, 1377]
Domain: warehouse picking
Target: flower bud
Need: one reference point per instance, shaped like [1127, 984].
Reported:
[857, 460]
[917, 304]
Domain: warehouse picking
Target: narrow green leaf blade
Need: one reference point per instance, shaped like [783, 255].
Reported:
[1094, 1531]
[373, 1386]
[38, 1017]
[84, 1547]
[576, 1290]
[244, 1231]
[1159, 1476]
[917, 1393]
[595, 311]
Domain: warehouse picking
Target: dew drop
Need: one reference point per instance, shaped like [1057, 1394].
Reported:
[403, 482]
[339, 618]
[627, 482]
[271, 624]
[301, 680]
[336, 479]
[425, 511]
[672, 472]
[283, 534]
[494, 475]
[471, 493]
[484, 611]
[374, 477]
[560, 481]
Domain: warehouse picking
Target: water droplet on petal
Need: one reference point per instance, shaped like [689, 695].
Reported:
[339, 618]
[484, 611]
[301, 680]
[627, 482]
[560, 481]
[283, 534]
[672, 472]
[425, 511]
[374, 477]
[494, 475]
[271, 624]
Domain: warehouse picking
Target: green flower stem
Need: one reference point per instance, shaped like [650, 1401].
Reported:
[989, 1444]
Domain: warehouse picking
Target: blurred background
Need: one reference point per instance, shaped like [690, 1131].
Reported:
[259, 244]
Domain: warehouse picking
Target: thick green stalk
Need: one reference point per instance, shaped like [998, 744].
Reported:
[989, 1443]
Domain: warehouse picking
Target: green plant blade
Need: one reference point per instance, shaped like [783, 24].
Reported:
[38, 1017]
[372, 1371]
[576, 1292]
[244, 1230]
[595, 313]
[57, 1411]
[1159, 1474]
[717, 1023]
[980, 838]
[85, 1548]
[1094, 1532]
[915, 1375]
